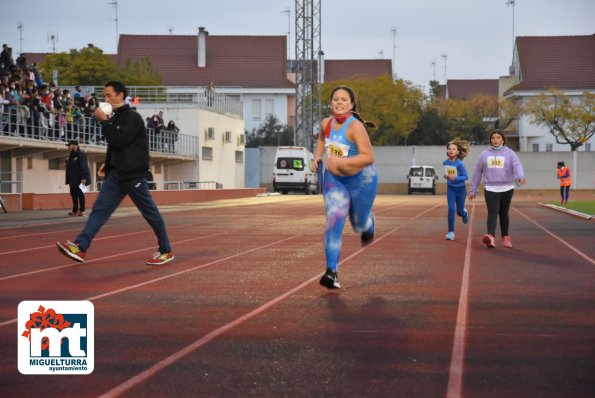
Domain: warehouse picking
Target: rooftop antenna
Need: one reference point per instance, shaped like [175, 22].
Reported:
[381, 54]
[20, 28]
[53, 37]
[444, 56]
[115, 4]
[288, 12]
[434, 67]
[170, 30]
[394, 32]
[511, 3]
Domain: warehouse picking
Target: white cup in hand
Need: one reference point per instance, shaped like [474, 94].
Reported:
[106, 108]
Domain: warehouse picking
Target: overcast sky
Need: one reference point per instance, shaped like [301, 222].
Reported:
[475, 35]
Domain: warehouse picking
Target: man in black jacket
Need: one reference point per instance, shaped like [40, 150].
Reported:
[77, 174]
[125, 171]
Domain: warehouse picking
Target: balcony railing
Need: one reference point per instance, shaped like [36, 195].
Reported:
[24, 124]
[217, 102]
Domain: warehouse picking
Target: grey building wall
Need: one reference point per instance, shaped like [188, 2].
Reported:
[393, 162]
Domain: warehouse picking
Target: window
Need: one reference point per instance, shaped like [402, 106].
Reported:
[239, 157]
[535, 147]
[242, 139]
[29, 162]
[210, 133]
[256, 109]
[269, 106]
[227, 136]
[588, 147]
[207, 153]
[549, 147]
[416, 172]
[57, 164]
[290, 163]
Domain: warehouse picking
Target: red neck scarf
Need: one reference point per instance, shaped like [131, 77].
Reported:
[341, 118]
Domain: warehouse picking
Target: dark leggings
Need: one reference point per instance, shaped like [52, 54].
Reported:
[564, 193]
[498, 204]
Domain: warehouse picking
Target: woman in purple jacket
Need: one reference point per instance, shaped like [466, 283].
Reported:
[499, 169]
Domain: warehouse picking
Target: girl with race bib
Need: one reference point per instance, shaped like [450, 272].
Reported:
[350, 180]
[499, 168]
[456, 176]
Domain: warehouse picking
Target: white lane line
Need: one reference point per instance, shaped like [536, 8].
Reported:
[457, 360]
[164, 363]
[130, 287]
[574, 249]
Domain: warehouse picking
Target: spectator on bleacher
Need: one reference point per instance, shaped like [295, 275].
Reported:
[78, 98]
[57, 126]
[69, 116]
[157, 137]
[14, 99]
[21, 62]
[3, 116]
[3, 57]
[36, 75]
[171, 135]
[92, 126]
[150, 124]
[7, 59]
[44, 120]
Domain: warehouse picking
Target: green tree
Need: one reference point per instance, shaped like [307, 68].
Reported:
[394, 106]
[570, 122]
[431, 129]
[270, 132]
[474, 118]
[434, 89]
[140, 73]
[87, 67]
[91, 67]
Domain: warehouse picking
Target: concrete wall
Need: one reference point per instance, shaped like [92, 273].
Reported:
[393, 162]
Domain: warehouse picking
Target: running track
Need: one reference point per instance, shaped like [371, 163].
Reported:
[239, 313]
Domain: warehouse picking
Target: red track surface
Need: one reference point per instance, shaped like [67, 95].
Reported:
[240, 313]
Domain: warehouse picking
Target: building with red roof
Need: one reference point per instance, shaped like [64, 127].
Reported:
[566, 63]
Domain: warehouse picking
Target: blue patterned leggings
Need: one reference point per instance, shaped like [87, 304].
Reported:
[353, 195]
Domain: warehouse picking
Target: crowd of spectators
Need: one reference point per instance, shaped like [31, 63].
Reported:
[30, 107]
[165, 135]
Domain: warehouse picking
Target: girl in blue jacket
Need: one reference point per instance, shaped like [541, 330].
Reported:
[456, 176]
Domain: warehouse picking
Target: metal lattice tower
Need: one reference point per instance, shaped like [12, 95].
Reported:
[307, 47]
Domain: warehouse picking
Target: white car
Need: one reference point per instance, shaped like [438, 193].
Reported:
[291, 171]
[421, 178]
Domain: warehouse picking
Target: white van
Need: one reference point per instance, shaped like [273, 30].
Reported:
[291, 171]
[421, 178]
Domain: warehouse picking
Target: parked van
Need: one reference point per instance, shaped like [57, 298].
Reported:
[291, 171]
[421, 178]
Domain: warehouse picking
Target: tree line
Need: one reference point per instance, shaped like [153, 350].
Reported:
[405, 115]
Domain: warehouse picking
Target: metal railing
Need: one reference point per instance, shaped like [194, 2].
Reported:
[177, 185]
[50, 127]
[217, 102]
